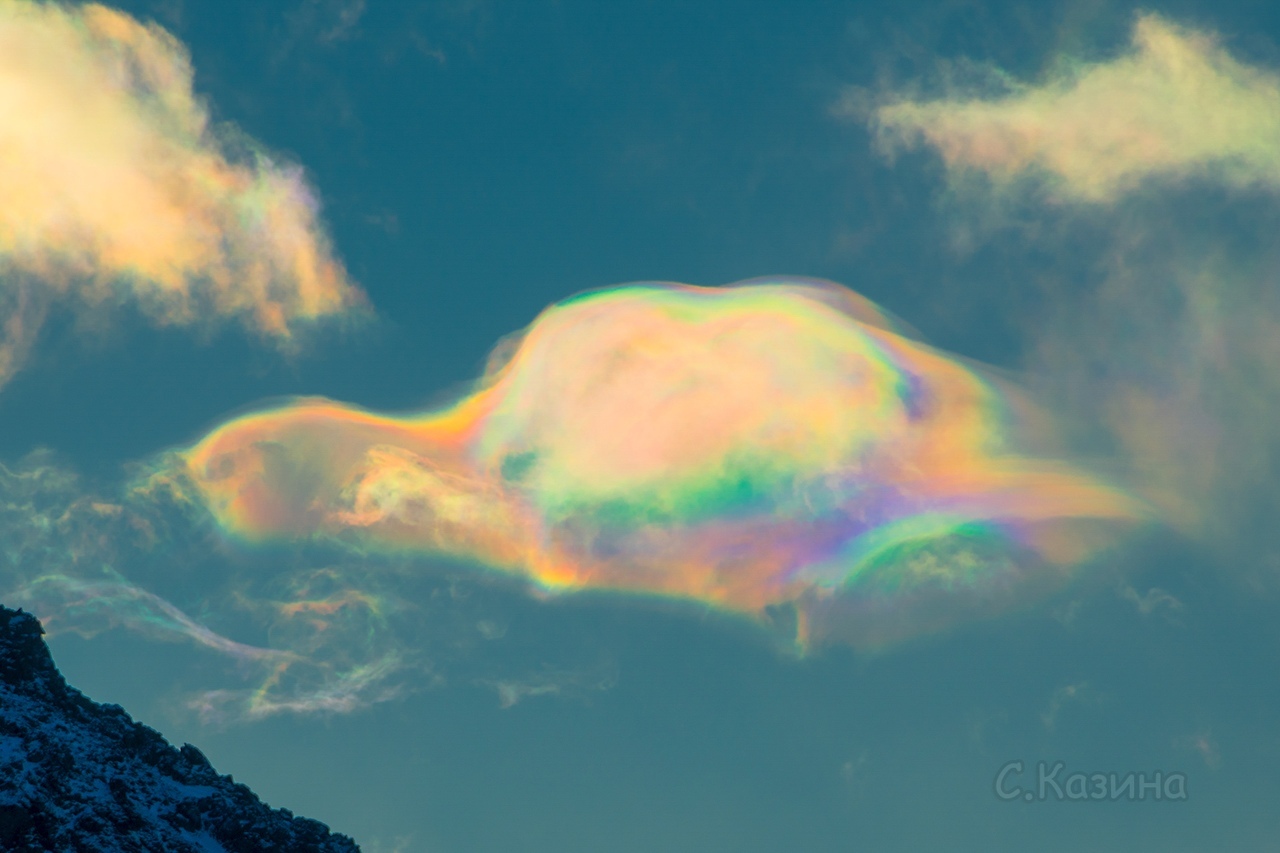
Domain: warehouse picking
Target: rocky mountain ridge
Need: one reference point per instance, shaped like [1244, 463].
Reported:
[79, 776]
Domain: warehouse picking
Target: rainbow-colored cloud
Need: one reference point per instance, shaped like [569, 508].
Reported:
[768, 444]
[117, 188]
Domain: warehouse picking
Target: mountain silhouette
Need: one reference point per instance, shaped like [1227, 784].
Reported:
[79, 776]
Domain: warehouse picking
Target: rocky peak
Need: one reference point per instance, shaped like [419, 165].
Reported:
[76, 775]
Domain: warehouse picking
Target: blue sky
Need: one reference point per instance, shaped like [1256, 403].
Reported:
[478, 161]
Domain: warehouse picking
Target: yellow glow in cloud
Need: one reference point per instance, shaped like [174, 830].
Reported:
[113, 186]
[1175, 105]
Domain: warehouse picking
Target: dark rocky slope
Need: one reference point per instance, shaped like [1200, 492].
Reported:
[79, 776]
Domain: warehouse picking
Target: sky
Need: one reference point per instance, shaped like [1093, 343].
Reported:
[653, 426]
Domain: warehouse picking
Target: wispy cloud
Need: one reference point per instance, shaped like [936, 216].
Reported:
[87, 607]
[1164, 161]
[296, 639]
[551, 681]
[330, 647]
[322, 22]
[1063, 696]
[1175, 105]
[1203, 744]
[119, 189]
[1154, 600]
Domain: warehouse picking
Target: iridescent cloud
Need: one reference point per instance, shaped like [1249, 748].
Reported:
[1166, 348]
[117, 188]
[329, 643]
[774, 444]
[1175, 105]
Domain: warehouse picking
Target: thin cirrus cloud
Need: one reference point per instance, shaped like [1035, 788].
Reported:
[1175, 105]
[86, 563]
[313, 638]
[117, 188]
